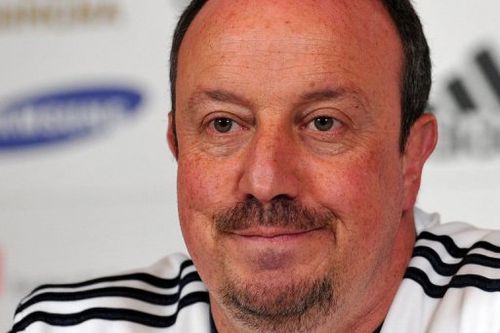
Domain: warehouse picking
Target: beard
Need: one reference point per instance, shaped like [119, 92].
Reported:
[298, 306]
[289, 303]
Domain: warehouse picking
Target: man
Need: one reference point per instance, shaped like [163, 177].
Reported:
[300, 138]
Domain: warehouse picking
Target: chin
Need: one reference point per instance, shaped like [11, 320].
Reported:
[279, 302]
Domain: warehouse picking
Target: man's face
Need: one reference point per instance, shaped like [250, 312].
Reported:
[291, 185]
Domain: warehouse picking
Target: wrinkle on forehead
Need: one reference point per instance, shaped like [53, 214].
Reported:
[254, 27]
[250, 14]
[288, 17]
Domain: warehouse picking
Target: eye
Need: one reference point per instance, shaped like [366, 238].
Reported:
[223, 125]
[323, 123]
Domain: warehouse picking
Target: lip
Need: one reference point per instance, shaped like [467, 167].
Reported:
[273, 233]
[264, 249]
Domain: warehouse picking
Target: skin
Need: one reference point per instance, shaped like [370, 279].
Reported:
[272, 68]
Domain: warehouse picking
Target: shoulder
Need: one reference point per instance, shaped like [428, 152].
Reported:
[165, 295]
[452, 283]
[460, 255]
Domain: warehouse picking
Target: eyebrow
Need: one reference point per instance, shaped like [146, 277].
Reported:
[219, 95]
[320, 95]
[225, 96]
[330, 94]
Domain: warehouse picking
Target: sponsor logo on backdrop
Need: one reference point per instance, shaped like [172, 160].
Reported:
[467, 106]
[65, 115]
[57, 13]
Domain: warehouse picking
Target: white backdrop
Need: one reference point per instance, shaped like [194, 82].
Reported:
[106, 201]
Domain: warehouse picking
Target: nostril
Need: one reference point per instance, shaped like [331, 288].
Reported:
[282, 197]
[249, 197]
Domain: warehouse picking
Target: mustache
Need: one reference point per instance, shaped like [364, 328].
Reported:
[280, 212]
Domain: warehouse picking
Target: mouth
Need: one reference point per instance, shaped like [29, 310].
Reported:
[273, 233]
[266, 249]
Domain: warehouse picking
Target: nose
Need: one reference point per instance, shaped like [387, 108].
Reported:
[270, 166]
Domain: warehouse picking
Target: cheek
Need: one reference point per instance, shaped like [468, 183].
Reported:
[204, 187]
[194, 196]
[365, 194]
[201, 182]
[363, 191]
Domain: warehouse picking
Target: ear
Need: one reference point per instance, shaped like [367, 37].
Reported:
[419, 146]
[171, 135]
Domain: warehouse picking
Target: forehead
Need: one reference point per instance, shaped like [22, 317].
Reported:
[247, 15]
[312, 40]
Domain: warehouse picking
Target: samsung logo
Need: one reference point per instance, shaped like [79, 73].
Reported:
[65, 115]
